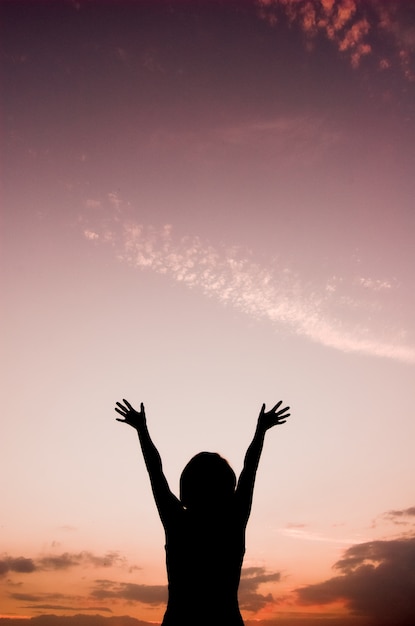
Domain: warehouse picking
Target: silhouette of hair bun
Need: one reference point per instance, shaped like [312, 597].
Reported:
[207, 479]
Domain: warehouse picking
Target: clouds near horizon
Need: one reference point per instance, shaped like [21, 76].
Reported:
[105, 590]
[153, 595]
[376, 581]
[62, 562]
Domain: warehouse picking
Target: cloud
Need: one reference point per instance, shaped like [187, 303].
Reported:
[402, 517]
[75, 620]
[291, 619]
[282, 139]
[251, 579]
[376, 28]
[63, 607]
[147, 594]
[91, 203]
[154, 595]
[299, 531]
[20, 565]
[47, 601]
[374, 284]
[377, 581]
[59, 562]
[43, 602]
[25, 597]
[66, 560]
[274, 293]
[403, 512]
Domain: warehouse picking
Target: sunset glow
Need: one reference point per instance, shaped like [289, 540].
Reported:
[208, 205]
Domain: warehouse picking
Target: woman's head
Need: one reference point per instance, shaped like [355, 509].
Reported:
[207, 480]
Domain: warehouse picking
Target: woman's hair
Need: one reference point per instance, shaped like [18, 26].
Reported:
[207, 479]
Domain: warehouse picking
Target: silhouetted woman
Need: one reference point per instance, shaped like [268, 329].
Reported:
[205, 529]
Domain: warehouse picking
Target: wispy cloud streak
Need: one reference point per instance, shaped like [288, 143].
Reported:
[273, 292]
[303, 534]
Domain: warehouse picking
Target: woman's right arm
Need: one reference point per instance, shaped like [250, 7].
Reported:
[164, 498]
[246, 482]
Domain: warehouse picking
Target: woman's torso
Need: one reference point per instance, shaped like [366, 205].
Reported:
[204, 554]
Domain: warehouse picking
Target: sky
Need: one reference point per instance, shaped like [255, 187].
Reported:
[206, 206]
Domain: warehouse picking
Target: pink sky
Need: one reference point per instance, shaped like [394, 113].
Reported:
[207, 206]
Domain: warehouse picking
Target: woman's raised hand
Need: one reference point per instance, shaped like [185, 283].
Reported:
[273, 417]
[130, 416]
